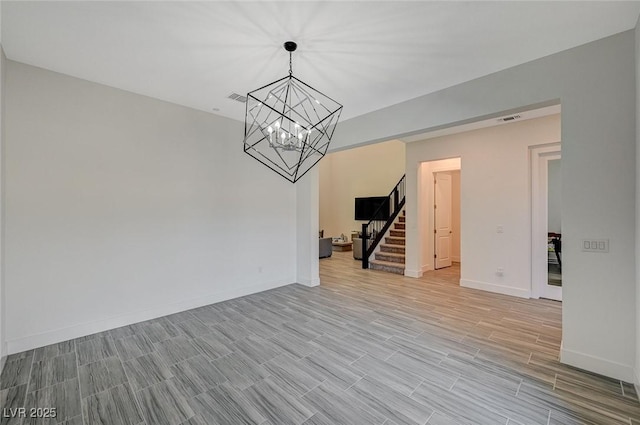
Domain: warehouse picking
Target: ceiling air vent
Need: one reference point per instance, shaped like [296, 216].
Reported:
[509, 118]
[237, 97]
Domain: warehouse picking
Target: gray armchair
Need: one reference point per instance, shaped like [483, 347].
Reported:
[357, 248]
[325, 248]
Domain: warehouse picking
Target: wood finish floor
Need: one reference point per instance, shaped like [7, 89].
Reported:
[366, 347]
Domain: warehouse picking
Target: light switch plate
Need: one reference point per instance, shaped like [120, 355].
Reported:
[595, 245]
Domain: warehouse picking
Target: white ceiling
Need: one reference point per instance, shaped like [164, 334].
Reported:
[366, 55]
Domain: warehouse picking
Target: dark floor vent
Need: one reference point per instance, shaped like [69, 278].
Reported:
[509, 118]
[237, 97]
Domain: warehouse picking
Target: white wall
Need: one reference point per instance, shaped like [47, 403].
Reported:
[120, 208]
[494, 192]
[423, 204]
[3, 304]
[596, 84]
[554, 201]
[307, 247]
[456, 227]
[637, 221]
[360, 172]
[326, 210]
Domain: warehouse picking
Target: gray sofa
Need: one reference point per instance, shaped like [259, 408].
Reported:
[326, 248]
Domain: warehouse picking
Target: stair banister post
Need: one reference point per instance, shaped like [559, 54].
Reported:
[365, 256]
[396, 200]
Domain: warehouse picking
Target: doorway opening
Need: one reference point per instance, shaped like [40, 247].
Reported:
[554, 222]
[546, 237]
[439, 205]
[446, 207]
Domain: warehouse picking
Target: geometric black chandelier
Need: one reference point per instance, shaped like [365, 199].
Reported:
[288, 124]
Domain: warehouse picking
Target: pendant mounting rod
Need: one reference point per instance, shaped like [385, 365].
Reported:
[290, 46]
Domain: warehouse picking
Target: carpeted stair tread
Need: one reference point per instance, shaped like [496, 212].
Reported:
[395, 240]
[391, 257]
[387, 263]
[387, 266]
[385, 247]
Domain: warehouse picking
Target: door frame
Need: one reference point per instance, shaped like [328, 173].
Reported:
[425, 199]
[540, 157]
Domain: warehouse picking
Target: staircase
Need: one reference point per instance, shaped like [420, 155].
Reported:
[390, 258]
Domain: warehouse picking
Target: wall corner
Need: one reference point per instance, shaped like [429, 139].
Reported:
[307, 227]
[413, 273]
[637, 205]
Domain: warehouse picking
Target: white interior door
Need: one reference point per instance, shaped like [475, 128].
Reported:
[442, 220]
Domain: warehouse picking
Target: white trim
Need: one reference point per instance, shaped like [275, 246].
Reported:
[498, 289]
[71, 332]
[427, 268]
[427, 224]
[412, 273]
[455, 259]
[540, 156]
[309, 282]
[597, 365]
[444, 168]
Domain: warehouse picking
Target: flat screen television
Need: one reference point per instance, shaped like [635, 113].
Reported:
[366, 207]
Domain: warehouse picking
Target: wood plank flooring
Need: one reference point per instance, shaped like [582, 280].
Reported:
[366, 347]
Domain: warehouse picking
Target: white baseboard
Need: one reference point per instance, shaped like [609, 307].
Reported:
[426, 268]
[597, 365]
[309, 282]
[498, 289]
[636, 382]
[412, 273]
[18, 345]
[455, 259]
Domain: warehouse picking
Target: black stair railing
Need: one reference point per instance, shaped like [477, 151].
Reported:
[375, 229]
